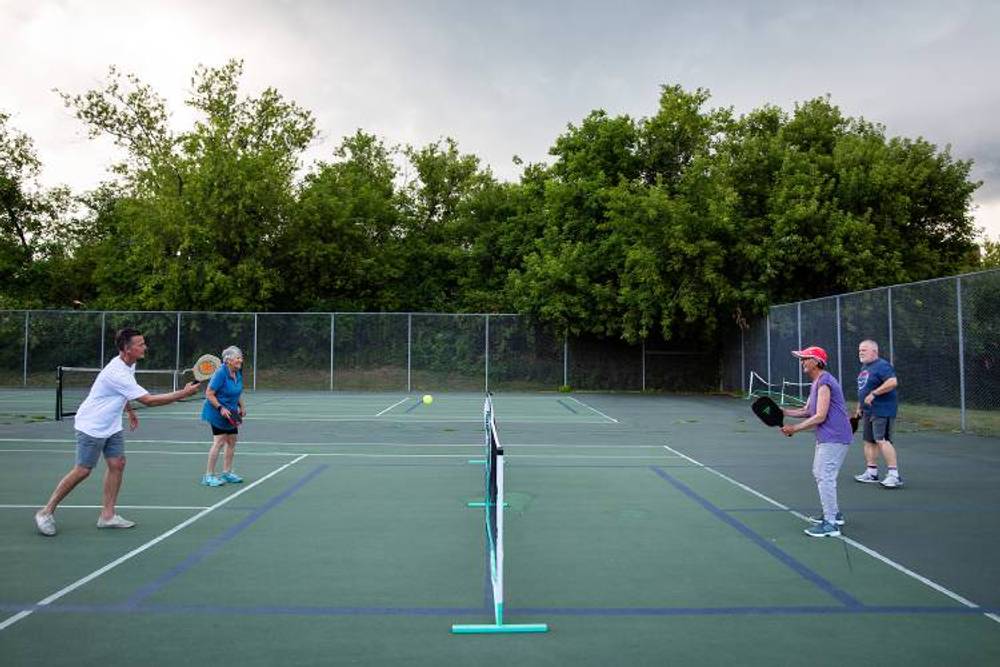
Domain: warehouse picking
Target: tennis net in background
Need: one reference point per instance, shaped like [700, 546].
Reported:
[73, 384]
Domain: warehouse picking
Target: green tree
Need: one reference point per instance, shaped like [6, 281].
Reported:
[341, 248]
[200, 210]
[33, 221]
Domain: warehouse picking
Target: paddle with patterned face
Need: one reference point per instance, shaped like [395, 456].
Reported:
[768, 411]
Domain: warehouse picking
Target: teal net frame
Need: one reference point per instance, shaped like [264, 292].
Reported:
[493, 506]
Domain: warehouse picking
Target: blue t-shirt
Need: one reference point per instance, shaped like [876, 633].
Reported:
[871, 377]
[227, 392]
[837, 426]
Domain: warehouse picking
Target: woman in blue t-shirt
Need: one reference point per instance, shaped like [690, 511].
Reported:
[826, 411]
[224, 410]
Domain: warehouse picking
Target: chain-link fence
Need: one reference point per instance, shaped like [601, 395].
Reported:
[942, 336]
[353, 351]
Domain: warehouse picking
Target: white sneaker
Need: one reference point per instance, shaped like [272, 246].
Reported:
[46, 523]
[892, 482]
[868, 477]
[114, 522]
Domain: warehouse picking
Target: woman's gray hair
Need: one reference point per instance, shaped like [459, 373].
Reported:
[231, 352]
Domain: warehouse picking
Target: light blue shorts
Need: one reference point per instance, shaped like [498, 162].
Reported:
[89, 448]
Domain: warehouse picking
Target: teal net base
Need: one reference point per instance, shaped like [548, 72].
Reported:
[498, 629]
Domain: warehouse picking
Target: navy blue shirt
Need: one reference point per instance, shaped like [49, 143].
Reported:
[871, 377]
[227, 392]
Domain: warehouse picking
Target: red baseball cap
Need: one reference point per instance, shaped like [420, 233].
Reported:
[812, 352]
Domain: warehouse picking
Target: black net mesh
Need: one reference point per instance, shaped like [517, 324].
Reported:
[819, 327]
[755, 351]
[604, 364]
[293, 351]
[69, 338]
[863, 316]
[211, 333]
[158, 329]
[925, 345]
[370, 352]
[981, 340]
[448, 353]
[784, 339]
[12, 348]
[523, 356]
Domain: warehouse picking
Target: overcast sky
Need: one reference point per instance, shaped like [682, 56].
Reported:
[504, 78]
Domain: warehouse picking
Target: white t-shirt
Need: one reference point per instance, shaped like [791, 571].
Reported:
[100, 414]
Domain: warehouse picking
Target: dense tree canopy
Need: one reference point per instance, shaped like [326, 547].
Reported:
[666, 226]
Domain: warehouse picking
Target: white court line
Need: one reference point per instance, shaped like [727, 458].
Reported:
[330, 443]
[138, 550]
[594, 409]
[174, 452]
[871, 552]
[97, 507]
[403, 400]
[418, 419]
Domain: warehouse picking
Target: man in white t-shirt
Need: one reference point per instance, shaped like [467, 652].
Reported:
[98, 426]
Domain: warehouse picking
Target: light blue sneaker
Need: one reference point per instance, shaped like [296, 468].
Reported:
[231, 477]
[823, 529]
[212, 480]
[839, 519]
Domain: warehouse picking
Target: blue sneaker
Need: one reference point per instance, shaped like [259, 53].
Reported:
[212, 480]
[839, 519]
[823, 529]
[231, 477]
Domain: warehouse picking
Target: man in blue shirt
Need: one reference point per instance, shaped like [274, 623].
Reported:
[877, 407]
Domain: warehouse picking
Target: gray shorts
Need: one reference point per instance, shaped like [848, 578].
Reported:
[89, 448]
[877, 428]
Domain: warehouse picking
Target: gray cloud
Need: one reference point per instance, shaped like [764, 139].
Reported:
[505, 78]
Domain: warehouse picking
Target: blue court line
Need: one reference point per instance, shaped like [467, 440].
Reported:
[565, 405]
[216, 543]
[297, 610]
[808, 574]
[413, 407]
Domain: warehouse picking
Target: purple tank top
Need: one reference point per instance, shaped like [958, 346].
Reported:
[837, 427]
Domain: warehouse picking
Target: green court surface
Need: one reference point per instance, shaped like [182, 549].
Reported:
[641, 529]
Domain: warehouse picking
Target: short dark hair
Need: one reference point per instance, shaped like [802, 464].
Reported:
[125, 336]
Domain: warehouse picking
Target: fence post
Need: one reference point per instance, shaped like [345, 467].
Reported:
[566, 360]
[333, 332]
[177, 352]
[486, 346]
[798, 325]
[409, 349]
[255, 351]
[104, 335]
[892, 350]
[961, 352]
[840, 348]
[27, 319]
[767, 324]
[743, 365]
[644, 364]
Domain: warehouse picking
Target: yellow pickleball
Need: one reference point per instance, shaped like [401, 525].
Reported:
[428, 399]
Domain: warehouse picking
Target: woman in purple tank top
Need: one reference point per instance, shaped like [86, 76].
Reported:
[826, 411]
